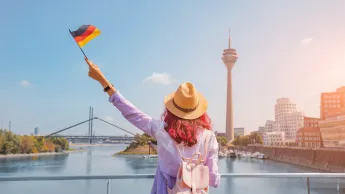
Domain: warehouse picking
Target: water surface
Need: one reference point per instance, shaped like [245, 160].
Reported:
[98, 161]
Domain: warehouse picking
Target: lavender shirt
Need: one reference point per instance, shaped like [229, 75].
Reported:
[168, 156]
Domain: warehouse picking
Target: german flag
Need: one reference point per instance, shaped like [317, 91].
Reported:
[84, 34]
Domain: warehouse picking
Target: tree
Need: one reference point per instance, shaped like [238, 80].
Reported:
[246, 140]
[8, 147]
[140, 140]
[222, 140]
[259, 140]
[2, 140]
[50, 146]
[13, 144]
[26, 144]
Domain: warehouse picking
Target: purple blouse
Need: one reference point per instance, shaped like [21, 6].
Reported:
[168, 155]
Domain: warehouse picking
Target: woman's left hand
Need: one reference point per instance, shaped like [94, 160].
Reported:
[94, 72]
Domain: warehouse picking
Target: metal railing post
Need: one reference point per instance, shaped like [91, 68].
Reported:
[338, 188]
[109, 186]
[308, 185]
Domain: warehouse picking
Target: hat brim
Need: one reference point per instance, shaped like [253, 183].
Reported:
[198, 112]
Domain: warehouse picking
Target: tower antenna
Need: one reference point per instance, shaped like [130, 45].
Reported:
[229, 39]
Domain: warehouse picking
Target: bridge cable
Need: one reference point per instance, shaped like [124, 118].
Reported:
[114, 125]
[70, 127]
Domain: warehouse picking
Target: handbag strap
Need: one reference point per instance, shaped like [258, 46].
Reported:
[204, 155]
[207, 139]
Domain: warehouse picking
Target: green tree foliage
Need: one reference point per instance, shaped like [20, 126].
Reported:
[248, 139]
[15, 144]
[140, 140]
[222, 140]
[61, 142]
[256, 138]
[26, 144]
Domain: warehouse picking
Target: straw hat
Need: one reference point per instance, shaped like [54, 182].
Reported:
[186, 102]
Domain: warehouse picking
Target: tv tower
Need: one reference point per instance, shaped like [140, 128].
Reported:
[229, 59]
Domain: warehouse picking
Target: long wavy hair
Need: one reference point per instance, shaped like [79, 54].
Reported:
[185, 131]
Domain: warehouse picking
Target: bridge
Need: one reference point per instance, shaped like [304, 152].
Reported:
[90, 138]
[103, 139]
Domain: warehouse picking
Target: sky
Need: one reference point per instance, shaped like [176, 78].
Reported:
[293, 49]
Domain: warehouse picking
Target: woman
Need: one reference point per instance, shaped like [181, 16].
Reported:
[182, 130]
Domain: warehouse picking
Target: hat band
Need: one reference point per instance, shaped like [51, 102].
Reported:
[185, 110]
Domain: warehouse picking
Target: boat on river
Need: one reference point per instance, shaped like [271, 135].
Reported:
[242, 154]
[262, 156]
[225, 154]
[150, 156]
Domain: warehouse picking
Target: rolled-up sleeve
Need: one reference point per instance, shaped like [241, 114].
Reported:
[139, 119]
[212, 162]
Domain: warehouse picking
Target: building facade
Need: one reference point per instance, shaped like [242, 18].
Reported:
[288, 119]
[239, 132]
[332, 103]
[274, 138]
[311, 122]
[309, 137]
[221, 134]
[270, 126]
[333, 132]
[36, 131]
[261, 131]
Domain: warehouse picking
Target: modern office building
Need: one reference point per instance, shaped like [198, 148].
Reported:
[36, 131]
[274, 138]
[288, 118]
[333, 132]
[332, 103]
[238, 132]
[309, 137]
[311, 122]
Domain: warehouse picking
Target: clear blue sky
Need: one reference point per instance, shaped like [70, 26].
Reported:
[292, 49]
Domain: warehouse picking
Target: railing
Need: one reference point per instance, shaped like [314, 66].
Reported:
[307, 176]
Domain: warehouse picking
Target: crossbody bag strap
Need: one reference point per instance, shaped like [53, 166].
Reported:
[207, 139]
[178, 150]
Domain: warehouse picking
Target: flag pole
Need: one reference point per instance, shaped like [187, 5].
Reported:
[78, 45]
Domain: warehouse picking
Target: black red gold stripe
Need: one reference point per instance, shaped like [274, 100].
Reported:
[84, 34]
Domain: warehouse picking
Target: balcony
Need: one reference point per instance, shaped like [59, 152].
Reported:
[335, 180]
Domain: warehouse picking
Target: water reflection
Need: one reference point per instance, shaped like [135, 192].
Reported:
[139, 164]
[51, 163]
[99, 161]
[88, 162]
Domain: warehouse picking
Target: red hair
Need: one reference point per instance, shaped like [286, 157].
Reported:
[185, 131]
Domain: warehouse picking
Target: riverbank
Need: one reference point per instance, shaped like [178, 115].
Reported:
[140, 150]
[325, 160]
[90, 145]
[42, 154]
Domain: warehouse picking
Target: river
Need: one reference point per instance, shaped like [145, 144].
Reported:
[98, 161]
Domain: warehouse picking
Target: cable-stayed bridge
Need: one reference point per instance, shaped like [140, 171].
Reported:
[90, 137]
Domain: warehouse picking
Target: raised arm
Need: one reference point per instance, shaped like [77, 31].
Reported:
[139, 119]
[128, 110]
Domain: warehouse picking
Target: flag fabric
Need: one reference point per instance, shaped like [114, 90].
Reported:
[84, 34]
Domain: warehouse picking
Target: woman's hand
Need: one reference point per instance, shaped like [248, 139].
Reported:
[96, 74]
